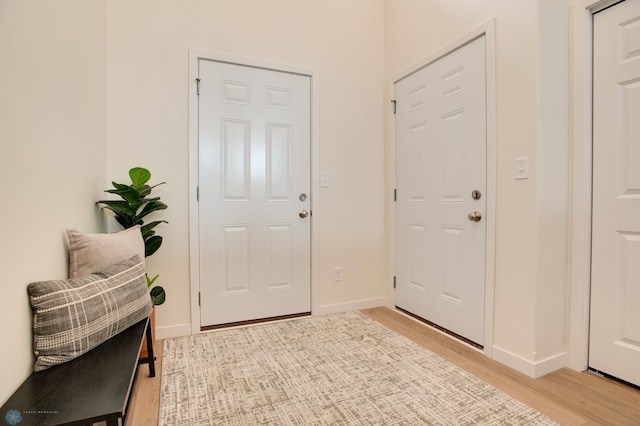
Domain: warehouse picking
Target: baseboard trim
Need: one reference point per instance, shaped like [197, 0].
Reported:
[353, 306]
[185, 329]
[173, 331]
[530, 368]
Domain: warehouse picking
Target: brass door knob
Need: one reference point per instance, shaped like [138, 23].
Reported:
[474, 216]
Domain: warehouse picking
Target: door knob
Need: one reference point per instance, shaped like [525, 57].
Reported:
[303, 213]
[474, 216]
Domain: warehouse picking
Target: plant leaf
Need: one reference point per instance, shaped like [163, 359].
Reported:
[144, 190]
[119, 207]
[151, 207]
[147, 230]
[127, 193]
[118, 187]
[139, 176]
[151, 245]
[126, 222]
[149, 200]
[150, 281]
[158, 184]
[158, 295]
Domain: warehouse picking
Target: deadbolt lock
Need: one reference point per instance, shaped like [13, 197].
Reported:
[475, 194]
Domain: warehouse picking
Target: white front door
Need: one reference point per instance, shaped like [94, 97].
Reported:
[254, 190]
[614, 341]
[441, 187]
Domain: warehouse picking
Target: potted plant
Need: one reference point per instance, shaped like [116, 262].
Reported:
[135, 205]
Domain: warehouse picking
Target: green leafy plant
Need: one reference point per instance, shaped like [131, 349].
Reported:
[135, 204]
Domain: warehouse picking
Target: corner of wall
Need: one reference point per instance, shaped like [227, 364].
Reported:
[533, 369]
[53, 124]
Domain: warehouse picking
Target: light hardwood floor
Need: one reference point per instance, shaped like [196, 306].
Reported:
[569, 397]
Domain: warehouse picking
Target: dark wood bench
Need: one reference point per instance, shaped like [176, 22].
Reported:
[91, 388]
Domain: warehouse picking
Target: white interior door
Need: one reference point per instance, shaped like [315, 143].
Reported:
[254, 190]
[614, 341]
[441, 162]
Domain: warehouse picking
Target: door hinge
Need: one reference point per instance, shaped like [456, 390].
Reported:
[198, 298]
[393, 101]
[395, 194]
[198, 86]
[394, 281]
[197, 193]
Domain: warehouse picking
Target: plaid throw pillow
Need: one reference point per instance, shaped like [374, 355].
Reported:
[70, 317]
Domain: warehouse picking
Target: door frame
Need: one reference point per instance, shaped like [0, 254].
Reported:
[195, 55]
[486, 29]
[581, 175]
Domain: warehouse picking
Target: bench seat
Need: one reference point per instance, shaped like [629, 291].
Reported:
[91, 388]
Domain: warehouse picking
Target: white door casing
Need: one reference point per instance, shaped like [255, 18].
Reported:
[581, 177]
[254, 163]
[441, 159]
[614, 337]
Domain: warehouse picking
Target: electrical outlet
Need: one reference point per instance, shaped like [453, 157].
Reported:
[337, 273]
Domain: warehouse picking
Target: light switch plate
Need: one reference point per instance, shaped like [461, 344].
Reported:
[522, 168]
[324, 180]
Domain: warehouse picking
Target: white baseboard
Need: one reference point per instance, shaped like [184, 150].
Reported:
[173, 331]
[352, 306]
[185, 329]
[530, 368]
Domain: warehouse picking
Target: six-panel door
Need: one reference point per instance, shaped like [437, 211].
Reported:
[254, 164]
[441, 161]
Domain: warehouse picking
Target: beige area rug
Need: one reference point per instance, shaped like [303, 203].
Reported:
[341, 369]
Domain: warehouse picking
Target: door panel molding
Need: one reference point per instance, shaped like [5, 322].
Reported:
[279, 100]
[486, 29]
[614, 331]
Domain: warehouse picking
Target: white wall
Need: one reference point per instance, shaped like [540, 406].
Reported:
[343, 42]
[532, 98]
[52, 152]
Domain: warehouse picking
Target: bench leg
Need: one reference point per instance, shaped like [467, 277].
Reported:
[150, 357]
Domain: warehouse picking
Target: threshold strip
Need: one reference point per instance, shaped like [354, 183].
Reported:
[444, 330]
[255, 321]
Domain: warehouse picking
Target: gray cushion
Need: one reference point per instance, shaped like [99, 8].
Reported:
[89, 253]
[70, 317]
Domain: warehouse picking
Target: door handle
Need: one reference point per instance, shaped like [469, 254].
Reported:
[474, 216]
[303, 213]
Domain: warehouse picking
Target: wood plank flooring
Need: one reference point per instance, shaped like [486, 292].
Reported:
[569, 397]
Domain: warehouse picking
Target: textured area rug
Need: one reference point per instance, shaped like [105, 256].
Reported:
[336, 369]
